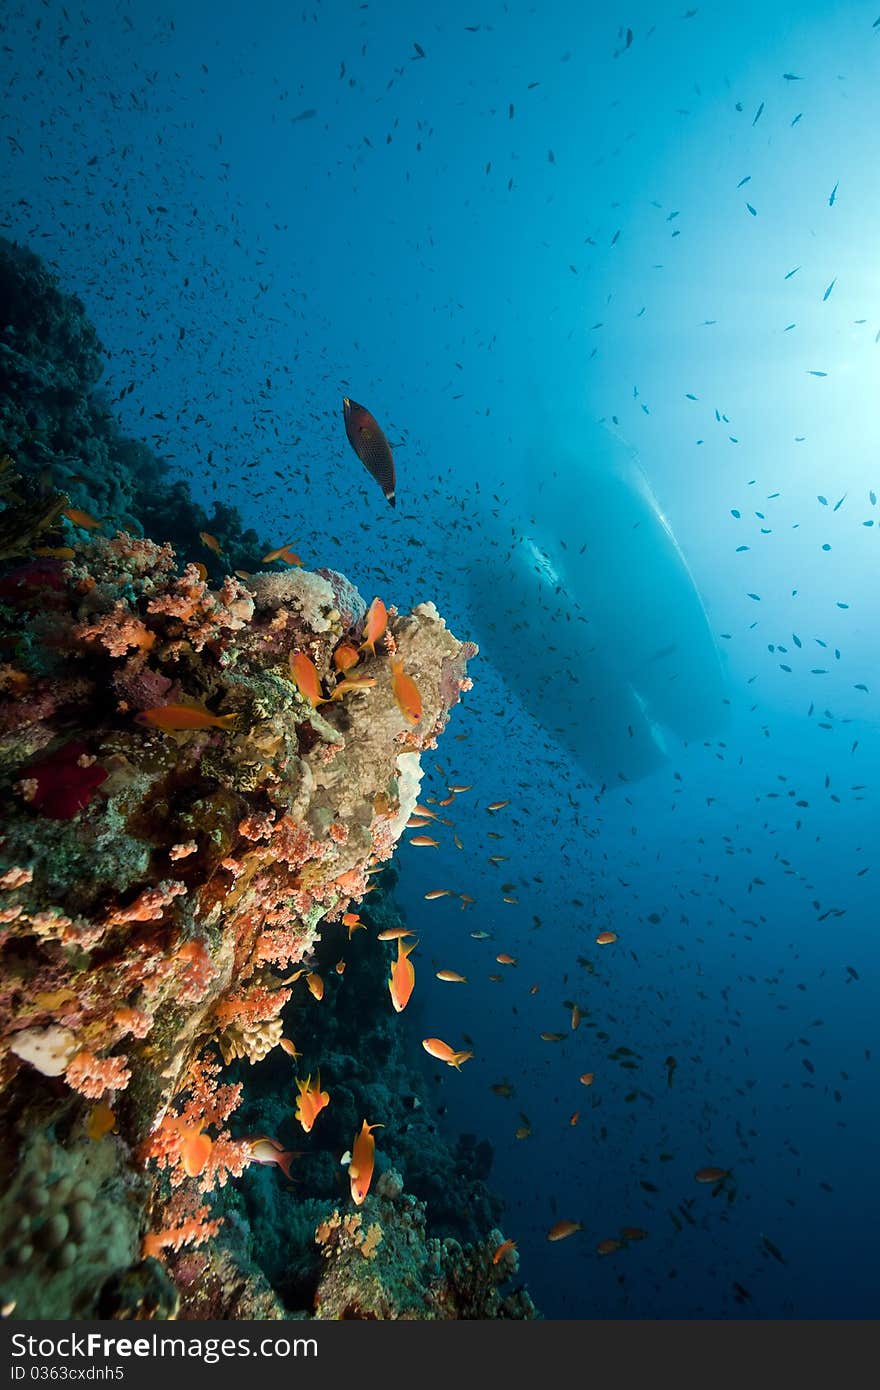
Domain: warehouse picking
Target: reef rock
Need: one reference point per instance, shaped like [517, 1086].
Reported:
[186, 824]
[379, 1264]
[184, 818]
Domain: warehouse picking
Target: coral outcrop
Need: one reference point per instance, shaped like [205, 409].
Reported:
[379, 1263]
[192, 830]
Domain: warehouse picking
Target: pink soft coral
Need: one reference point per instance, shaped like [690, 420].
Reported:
[117, 631]
[252, 1005]
[198, 972]
[198, 615]
[92, 1076]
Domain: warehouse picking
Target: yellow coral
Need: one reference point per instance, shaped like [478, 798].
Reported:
[371, 1241]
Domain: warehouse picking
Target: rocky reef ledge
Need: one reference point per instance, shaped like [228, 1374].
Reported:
[188, 834]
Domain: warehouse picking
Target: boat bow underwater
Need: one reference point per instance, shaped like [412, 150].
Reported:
[602, 632]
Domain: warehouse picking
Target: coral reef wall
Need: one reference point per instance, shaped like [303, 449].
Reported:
[58, 424]
[198, 795]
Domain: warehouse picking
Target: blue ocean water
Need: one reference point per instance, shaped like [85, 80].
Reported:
[507, 229]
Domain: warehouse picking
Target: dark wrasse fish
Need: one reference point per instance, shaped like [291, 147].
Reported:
[370, 445]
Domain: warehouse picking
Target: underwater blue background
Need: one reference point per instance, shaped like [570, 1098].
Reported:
[532, 226]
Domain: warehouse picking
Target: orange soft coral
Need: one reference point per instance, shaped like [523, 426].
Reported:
[184, 1222]
[149, 905]
[204, 1104]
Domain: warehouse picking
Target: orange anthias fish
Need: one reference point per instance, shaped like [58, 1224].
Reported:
[452, 977]
[562, 1229]
[605, 938]
[284, 553]
[393, 934]
[345, 657]
[424, 842]
[306, 678]
[370, 445]
[435, 1047]
[401, 981]
[81, 518]
[265, 1150]
[360, 1169]
[502, 1250]
[315, 984]
[375, 624]
[345, 687]
[175, 718]
[210, 542]
[406, 693]
[353, 922]
[55, 552]
[310, 1101]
